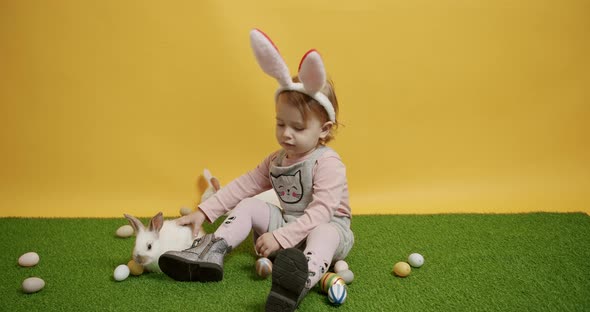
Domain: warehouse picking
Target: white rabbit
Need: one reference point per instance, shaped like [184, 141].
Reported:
[159, 237]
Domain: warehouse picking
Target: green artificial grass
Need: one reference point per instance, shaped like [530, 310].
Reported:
[520, 262]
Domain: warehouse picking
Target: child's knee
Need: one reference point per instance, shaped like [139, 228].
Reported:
[327, 232]
[243, 211]
[248, 204]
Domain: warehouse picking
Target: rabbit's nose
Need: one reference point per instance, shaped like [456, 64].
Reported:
[140, 259]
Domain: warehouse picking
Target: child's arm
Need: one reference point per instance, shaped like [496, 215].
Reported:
[330, 198]
[252, 183]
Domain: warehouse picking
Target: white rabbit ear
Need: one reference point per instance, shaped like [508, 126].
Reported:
[311, 72]
[207, 175]
[135, 223]
[269, 58]
[156, 223]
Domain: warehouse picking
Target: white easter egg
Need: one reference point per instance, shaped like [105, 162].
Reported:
[29, 259]
[32, 285]
[121, 273]
[340, 265]
[185, 211]
[416, 260]
[347, 276]
[124, 231]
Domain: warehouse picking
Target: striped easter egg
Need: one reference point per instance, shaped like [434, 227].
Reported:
[330, 279]
[337, 294]
[263, 267]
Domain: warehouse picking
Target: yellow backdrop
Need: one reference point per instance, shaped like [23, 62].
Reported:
[449, 106]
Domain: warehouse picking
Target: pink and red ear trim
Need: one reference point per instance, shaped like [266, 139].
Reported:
[304, 56]
[267, 38]
[311, 72]
[269, 58]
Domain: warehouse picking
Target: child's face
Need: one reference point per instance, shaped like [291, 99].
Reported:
[293, 133]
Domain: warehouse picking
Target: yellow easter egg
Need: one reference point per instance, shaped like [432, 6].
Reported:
[402, 269]
[185, 211]
[135, 268]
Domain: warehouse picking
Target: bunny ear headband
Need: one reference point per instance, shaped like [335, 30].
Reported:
[311, 70]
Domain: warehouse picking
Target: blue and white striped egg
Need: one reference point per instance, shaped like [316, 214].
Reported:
[337, 294]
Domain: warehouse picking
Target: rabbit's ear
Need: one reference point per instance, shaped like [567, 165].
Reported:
[156, 223]
[215, 183]
[269, 58]
[135, 223]
[311, 72]
[207, 175]
[211, 180]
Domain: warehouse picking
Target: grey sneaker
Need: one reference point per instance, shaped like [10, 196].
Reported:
[289, 277]
[203, 262]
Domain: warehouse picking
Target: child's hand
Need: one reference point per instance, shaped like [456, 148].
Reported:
[195, 219]
[266, 244]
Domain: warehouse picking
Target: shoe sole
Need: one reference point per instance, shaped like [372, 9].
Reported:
[184, 270]
[289, 275]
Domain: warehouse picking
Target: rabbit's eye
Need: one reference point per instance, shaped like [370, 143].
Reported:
[149, 246]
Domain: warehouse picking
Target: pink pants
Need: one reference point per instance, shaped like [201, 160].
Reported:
[254, 214]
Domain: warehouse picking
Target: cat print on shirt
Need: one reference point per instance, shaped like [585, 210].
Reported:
[288, 187]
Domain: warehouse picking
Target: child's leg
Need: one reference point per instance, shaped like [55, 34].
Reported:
[203, 262]
[295, 272]
[320, 248]
[250, 213]
[289, 273]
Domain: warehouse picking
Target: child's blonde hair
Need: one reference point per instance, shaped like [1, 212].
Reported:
[306, 104]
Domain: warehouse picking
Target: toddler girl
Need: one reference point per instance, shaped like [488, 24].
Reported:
[311, 229]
